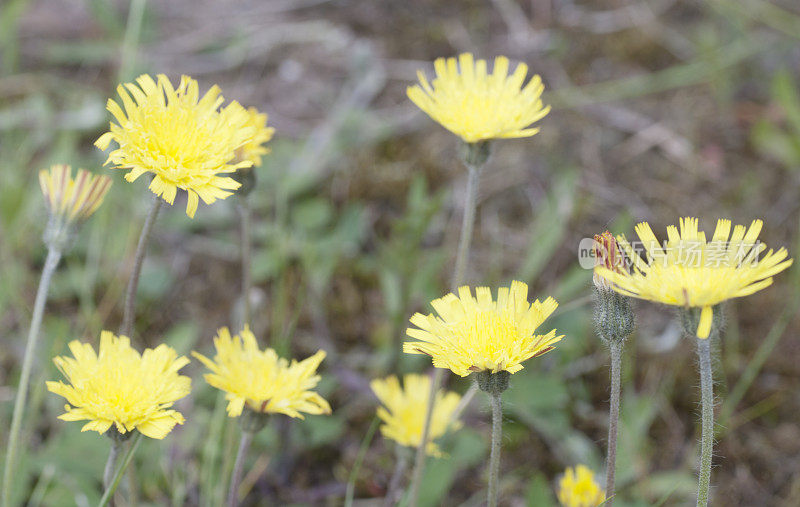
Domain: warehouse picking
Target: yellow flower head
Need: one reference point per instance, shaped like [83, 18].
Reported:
[254, 148]
[577, 488]
[403, 411]
[472, 334]
[72, 200]
[262, 380]
[475, 105]
[184, 140]
[121, 387]
[690, 272]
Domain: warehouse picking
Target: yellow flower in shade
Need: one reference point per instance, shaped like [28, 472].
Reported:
[185, 141]
[72, 200]
[577, 488]
[262, 380]
[120, 387]
[472, 334]
[475, 105]
[403, 410]
[690, 272]
[254, 148]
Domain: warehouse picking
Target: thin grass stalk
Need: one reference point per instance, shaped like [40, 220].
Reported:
[238, 467]
[120, 471]
[707, 414]
[467, 226]
[126, 329]
[247, 249]
[50, 264]
[613, 419]
[130, 39]
[397, 477]
[362, 451]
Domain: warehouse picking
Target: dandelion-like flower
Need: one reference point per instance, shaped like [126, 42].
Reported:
[403, 410]
[72, 200]
[577, 488]
[472, 334]
[120, 387]
[693, 273]
[475, 105]
[253, 150]
[185, 141]
[261, 379]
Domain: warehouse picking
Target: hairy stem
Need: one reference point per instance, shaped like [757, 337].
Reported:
[707, 411]
[126, 329]
[467, 225]
[494, 458]
[50, 264]
[238, 468]
[613, 419]
[120, 471]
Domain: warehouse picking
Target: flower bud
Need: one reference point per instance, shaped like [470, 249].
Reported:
[613, 316]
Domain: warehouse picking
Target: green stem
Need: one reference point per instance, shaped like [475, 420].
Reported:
[494, 457]
[50, 264]
[247, 248]
[238, 468]
[467, 225]
[133, 282]
[126, 460]
[111, 463]
[613, 419]
[707, 410]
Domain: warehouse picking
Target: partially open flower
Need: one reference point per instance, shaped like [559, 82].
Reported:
[607, 254]
[403, 410]
[577, 488]
[253, 150]
[72, 200]
[261, 380]
[121, 388]
[475, 333]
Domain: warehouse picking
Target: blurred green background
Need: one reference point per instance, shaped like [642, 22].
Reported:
[661, 109]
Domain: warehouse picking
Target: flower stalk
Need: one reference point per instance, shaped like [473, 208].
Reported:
[238, 467]
[120, 470]
[126, 329]
[690, 318]
[50, 264]
[615, 349]
[494, 384]
[707, 411]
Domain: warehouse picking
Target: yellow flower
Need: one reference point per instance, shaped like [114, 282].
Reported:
[404, 410]
[472, 334]
[475, 105]
[184, 140]
[262, 380]
[72, 199]
[121, 387]
[690, 272]
[577, 488]
[254, 148]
